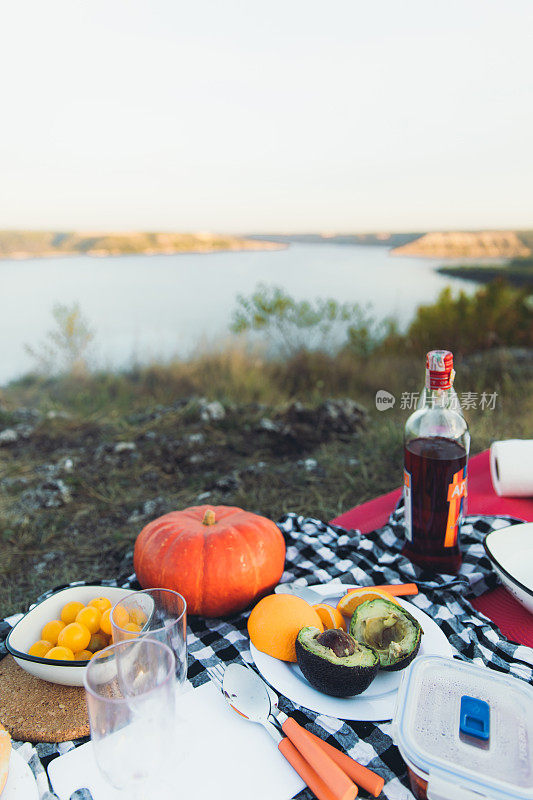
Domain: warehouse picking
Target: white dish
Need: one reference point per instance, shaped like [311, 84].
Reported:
[28, 630]
[375, 703]
[510, 550]
[20, 784]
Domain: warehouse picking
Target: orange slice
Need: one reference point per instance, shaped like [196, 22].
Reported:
[331, 617]
[354, 598]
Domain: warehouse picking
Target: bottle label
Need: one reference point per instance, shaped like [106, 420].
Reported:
[407, 482]
[439, 370]
[457, 491]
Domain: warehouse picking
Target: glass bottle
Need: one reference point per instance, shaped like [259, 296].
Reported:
[436, 448]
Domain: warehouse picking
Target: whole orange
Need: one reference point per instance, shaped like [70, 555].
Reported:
[275, 622]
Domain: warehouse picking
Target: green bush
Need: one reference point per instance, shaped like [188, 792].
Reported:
[497, 315]
[299, 325]
[66, 346]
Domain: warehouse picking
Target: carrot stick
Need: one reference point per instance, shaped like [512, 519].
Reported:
[319, 788]
[362, 776]
[338, 782]
[396, 589]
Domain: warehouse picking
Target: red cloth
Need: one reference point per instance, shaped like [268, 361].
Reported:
[510, 616]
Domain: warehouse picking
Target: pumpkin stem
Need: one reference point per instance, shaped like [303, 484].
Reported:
[209, 517]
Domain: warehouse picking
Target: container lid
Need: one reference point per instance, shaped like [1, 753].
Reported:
[469, 728]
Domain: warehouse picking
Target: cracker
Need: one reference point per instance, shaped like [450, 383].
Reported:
[33, 710]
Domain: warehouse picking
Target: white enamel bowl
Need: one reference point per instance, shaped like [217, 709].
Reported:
[28, 630]
[511, 552]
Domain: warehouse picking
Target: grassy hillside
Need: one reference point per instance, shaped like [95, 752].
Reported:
[87, 459]
[92, 460]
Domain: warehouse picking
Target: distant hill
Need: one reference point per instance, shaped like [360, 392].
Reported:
[469, 244]
[34, 244]
[451, 244]
[380, 239]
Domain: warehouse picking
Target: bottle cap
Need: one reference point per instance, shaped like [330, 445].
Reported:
[439, 369]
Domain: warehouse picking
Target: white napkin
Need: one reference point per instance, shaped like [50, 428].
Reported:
[217, 754]
[511, 467]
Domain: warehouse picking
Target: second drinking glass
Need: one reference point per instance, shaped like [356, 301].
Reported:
[160, 614]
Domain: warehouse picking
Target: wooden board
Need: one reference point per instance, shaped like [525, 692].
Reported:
[33, 710]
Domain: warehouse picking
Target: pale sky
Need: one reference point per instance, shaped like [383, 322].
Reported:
[286, 115]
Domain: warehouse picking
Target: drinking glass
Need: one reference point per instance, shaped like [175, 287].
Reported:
[130, 689]
[160, 614]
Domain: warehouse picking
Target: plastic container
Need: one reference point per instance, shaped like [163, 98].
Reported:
[465, 732]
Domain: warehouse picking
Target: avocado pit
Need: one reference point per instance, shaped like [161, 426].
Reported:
[334, 662]
[339, 641]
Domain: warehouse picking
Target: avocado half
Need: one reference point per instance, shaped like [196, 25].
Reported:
[390, 630]
[334, 663]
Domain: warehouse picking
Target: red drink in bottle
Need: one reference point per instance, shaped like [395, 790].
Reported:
[436, 447]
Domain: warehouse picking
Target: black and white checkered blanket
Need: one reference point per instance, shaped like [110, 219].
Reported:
[316, 553]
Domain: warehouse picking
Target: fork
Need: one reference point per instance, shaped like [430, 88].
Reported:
[295, 758]
[216, 673]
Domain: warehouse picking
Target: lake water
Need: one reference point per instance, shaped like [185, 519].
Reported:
[145, 308]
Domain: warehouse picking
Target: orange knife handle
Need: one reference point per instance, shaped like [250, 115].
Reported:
[396, 589]
[340, 785]
[364, 777]
[400, 589]
[306, 771]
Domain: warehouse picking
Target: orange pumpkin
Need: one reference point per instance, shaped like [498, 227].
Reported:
[218, 557]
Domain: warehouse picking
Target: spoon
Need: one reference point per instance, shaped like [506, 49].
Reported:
[247, 695]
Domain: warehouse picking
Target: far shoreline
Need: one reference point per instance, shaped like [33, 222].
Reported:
[24, 256]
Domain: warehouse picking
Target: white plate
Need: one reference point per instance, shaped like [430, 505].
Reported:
[375, 703]
[20, 784]
[511, 552]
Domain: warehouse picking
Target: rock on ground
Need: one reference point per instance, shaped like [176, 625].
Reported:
[300, 426]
